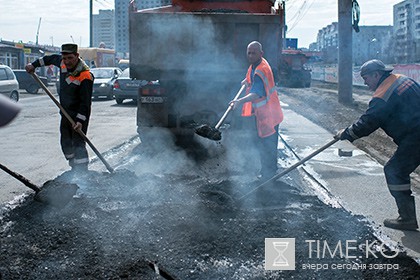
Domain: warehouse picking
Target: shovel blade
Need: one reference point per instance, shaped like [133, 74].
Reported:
[209, 132]
[57, 194]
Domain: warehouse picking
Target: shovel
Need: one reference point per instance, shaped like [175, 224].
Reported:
[214, 133]
[294, 166]
[54, 193]
[70, 119]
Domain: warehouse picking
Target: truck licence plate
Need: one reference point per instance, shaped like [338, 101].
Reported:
[151, 99]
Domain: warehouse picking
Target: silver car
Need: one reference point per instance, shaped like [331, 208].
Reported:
[104, 81]
[9, 85]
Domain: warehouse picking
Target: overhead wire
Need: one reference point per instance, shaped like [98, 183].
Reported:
[301, 14]
[297, 12]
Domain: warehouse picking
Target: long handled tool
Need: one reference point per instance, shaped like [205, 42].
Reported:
[54, 193]
[70, 119]
[294, 166]
[214, 133]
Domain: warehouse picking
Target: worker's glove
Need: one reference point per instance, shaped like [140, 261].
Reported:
[234, 104]
[30, 68]
[77, 126]
[343, 135]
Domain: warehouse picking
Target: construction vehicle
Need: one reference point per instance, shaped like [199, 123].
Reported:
[98, 57]
[196, 50]
[292, 69]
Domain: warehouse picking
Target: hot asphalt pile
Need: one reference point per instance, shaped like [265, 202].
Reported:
[184, 219]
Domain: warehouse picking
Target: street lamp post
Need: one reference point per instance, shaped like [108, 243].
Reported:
[91, 23]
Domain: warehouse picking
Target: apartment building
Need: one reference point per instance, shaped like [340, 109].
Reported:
[399, 43]
[407, 31]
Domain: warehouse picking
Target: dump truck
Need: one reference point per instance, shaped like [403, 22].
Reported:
[196, 51]
[293, 71]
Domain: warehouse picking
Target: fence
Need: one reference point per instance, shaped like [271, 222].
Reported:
[329, 73]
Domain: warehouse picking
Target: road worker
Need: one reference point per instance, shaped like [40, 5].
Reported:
[261, 108]
[76, 85]
[394, 107]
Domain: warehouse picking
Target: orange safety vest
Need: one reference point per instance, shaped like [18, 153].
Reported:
[77, 80]
[267, 109]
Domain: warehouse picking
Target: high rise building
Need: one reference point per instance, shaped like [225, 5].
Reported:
[122, 23]
[104, 29]
[121, 28]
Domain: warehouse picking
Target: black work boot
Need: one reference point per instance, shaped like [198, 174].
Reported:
[406, 208]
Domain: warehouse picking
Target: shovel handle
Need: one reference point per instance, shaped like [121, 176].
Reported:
[20, 178]
[70, 119]
[222, 119]
[300, 162]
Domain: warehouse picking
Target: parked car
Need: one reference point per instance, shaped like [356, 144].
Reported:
[126, 88]
[28, 83]
[9, 85]
[104, 81]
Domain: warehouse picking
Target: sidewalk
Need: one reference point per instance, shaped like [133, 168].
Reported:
[357, 181]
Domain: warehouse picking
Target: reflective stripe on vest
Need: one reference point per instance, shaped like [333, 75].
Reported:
[77, 80]
[63, 67]
[247, 107]
[264, 101]
[390, 84]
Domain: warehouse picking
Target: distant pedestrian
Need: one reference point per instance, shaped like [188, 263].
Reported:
[76, 84]
[394, 107]
[261, 108]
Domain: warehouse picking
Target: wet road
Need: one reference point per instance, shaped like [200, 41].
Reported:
[30, 144]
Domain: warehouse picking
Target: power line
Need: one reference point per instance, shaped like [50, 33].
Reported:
[298, 12]
[301, 14]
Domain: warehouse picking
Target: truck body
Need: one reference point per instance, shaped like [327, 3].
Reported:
[98, 57]
[292, 69]
[197, 52]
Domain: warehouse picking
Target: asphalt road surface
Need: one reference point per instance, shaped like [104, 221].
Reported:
[180, 211]
[30, 143]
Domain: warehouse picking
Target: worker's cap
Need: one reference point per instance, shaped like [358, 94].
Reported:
[372, 66]
[69, 48]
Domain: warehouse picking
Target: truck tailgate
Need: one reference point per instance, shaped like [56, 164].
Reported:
[199, 46]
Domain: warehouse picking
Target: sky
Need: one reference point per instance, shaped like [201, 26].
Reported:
[67, 21]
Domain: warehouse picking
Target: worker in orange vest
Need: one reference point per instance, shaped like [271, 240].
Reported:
[261, 106]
